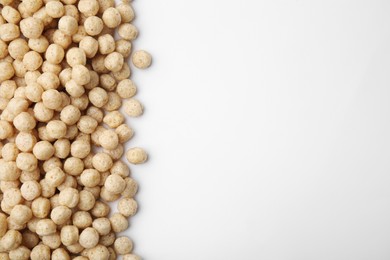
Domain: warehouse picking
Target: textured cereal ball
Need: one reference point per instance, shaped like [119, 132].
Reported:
[69, 197]
[87, 124]
[42, 15]
[80, 149]
[88, 7]
[12, 196]
[109, 140]
[32, 60]
[7, 89]
[30, 190]
[24, 122]
[31, 27]
[11, 240]
[6, 71]
[93, 25]
[126, 88]
[43, 150]
[9, 171]
[90, 178]
[54, 54]
[21, 214]
[68, 25]
[114, 61]
[10, 14]
[9, 32]
[98, 64]
[127, 207]
[118, 222]
[42, 113]
[123, 245]
[100, 209]
[123, 47]
[26, 162]
[6, 129]
[39, 45]
[128, 31]
[102, 162]
[86, 201]
[17, 48]
[20, 253]
[115, 184]
[133, 107]
[126, 12]
[106, 44]
[69, 235]
[60, 254]
[56, 129]
[98, 97]
[107, 82]
[53, 68]
[33, 5]
[102, 226]
[111, 17]
[120, 168]
[55, 9]
[46, 227]
[40, 252]
[142, 59]
[124, 133]
[99, 252]
[76, 56]
[48, 80]
[30, 239]
[9, 152]
[113, 119]
[34, 92]
[136, 155]
[107, 196]
[40, 207]
[89, 238]
[82, 219]
[25, 141]
[52, 99]
[55, 177]
[89, 45]
[60, 214]
[80, 74]
[70, 115]
[73, 166]
[62, 39]
[81, 33]
[62, 148]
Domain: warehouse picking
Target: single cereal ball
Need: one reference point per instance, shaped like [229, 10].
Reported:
[9, 171]
[54, 53]
[89, 238]
[9, 32]
[26, 162]
[24, 122]
[111, 17]
[89, 45]
[114, 61]
[82, 219]
[11, 240]
[86, 201]
[55, 177]
[39, 45]
[88, 7]
[53, 68]
[60, 254]
[136, 155]
[100, 209]
[31, 27]
[52, 99]
[56, 129]
[21, 214]
[73, 166]
[69, 235]
[33, 5]
[118, 222]
[70, 115]
[43, 150]
[123, 47]
[11, 15]
[55, 9]
[124, 132]
[102, 162]
[99, 252]
[115, 184]
[30, 190]
[113, 119]
[131, 257]
[141, 59]
[106, 44]
[127, 207]
[62, 148]
[98, 97]
[126, 12]
[126, 88]
[18, 48]
[93, 25]
[90, 178]
[42, 113]
[32, 60]
[133, 107]
[48, 80]
[69, 197]
[80, 149]
[34, 92]
[109, 140]
[128, 31]
[107, 82]
[76, 56]
[25, 141]
[40, 252]
[80, 74]
[6, 70]
[40, 207]
[61, 38]
[102, 226]
[22, 253]
[123, 245]
[120, 168]
[9, 152]
[87, 124]
[12, 196]
[46, 227]
[60, 214]
[68, 25]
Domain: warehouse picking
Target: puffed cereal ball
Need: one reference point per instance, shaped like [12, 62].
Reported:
[142, 59]
[76, 56]
[18, 48]
[52, 99]
[124, 133]
[10, 14]
[68, 25]
[123, 47]
[90, 178]
[98, 97]
[55, 177]
[31, 27]
[11, 240]
[6, 70]
[102, 226]
[80, 149]
[33, 5]
[109, 140]
[46, 227]
[115, 184]
[86, 201]
[9, 32]
[21, 214]
[60, 214]
[113, 119]
[133, 107]
[127, 207]
[93, 25]
[89, 45]
[40, 207]
[60, 254]
[89, 238]
[80, 74]
[99, 252]
[82, 219]
[114, 61]
[24, 122]
[40, 252]
[54, 53]
[118, 222]
[128, 31]
[102, 162]
[136, 155]
[39, 44]
[87, 124]
[123, 245]
[70, 115]
[43, 150]
[106, 44]
[69, 197]
[30, 190]
[88, 7]
[22, 253]
[126, 88]
[32, 60]
[69, 235]
[111, 17]
[56, 129]
[126, 12]
[26, 162]
[55, 9]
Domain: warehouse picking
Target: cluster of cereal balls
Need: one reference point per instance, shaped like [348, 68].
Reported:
[63, 78]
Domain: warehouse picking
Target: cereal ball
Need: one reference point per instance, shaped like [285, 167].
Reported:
[6, 130]
[69, 235]
[53, 241]
[48, 80]
[34, 92]
[43, 150]
[24, 122]
[102, 162]
[127, 207]
[51, 98]
[21, 214]
[126, 88]
[73, 166]
[80, 149]
[12, 196]
[89, 238]
[86, 201]
[136, 155]
[25, 141]
[40, 207]
[32, 60]
[90, 178]
[68, 25]
[114, 61]
[120, 168]
[6, 70]
[118, 222]
[100, 209]
[39, 44]
[56, 129]
[106, 44]
[11, 240]
[126, 12]
[123, 245]
[62, 39]
[98, 64]
[60, 214]
[42, 113]
[55, 177]
[62, 148]
[114, 102]
[9, 171]
[95, 113]
[42, 15]
[18, 48]
[54, 54]
[82, 219]
[46, 227]
[113, 119]
[30, 190]
[107, 82]
[55, 9]
[31, 27]
[128, 31]
[124, 133]
[102, 226]
[98, 97]
[11, 15]
[142, 59]
[111, 17]
[123, 47]
[80, 74]
[99, 252]
[60, 253]
[9, 32]
[46, 190]
[87, 124]
[20, 253]
[115, 184]
[53, 68]
[33, 5]
[88, 7]
[81, 33]
[40, 252]
[9, 152]
[69, 197]
[26, 162]
[109, 140]
[70, 115]
[76, 56]
[93, 25]
[89, 45]
[133, 107]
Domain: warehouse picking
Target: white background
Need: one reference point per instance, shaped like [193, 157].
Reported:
[267, 125]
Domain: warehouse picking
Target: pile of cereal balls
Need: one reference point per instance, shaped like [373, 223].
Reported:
[63, 78]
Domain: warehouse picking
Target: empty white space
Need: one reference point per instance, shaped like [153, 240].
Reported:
[268, 128]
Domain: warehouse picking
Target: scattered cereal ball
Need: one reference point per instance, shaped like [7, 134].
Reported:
[40, 207]
[106, 44]
[33, 5]
[142, 59]
[93, 25]
[87, 124]
[62, 148]
[68, 25]
[123, 47]
[34, 92]
[99, 252]
[55, 9]
[9, 152]
[55, 177]
[90, 178]
[86, 201]
[48, 80]
[128, 31]
[126, 88]
[124, 133]
[127, 207]
[30, 190]
[40, 252]
[18, 48]
[123, 245]
[89, 238]
[32, 60]
[60, 214]
[42, 113]
[115, 184]
[133, 107]
[6, 70]
[111, 17]
[80, 149]
[131, 257]
[70, 115]
[69, 197]
[56, 129]
[31, 27]
[22, 253]
[9, 32]
[102, 162]
[113, 119]
[109, 140]
[126, 12]
[24, 122]
[61, 38]
[82, 219]
[11, 240]
[89, 45]
[80, 74]
[54, 53]
[43, 150]
[98, 97]
[39, 44]
[10, 14]
[9, 171]
[26, 162]
[25, 141]
[60, 254]
[3, 49]
[52, 99]
[21, 214]
[118, 222]
[76, 56]
[88, 7]
[136, 155]
[102, 226]
[46, 227]
[69, 235]
[114, 61]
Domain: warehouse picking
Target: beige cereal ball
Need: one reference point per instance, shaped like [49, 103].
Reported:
[76, 56]
[55, 177]
[42, 15]
[127, 207]
[115, 184]
[88, 7]
[69, 197]
[9, 171]
[11, 240]
[112, 17]
[118, 222]
[56, 129]
[82, 219]
[39, 45]
[34, 92]
[73, 166]
[52, 99]
[24, 122]
[120, 168]
[61, 38]
[40, 252]
[102, 162]
[33, 5]
[12, 196]
[126, 88]
[142, 59]
[80, 149]
[95, 113]
[46, 227]
[80, 74]
[114, 102]
[55, 9]
[26, 162]
[25, 141]
[90, 178]
[109, 140]
[102, 226]
[32, 60]
[87, 124]
[136, 155]
[60, 214]
[113, 119]
[53, 68]
[6, 70]
[11, 15]
[18, 48]
[100, 209]
[21, 253]
[86, 201]
[60, 254]
[9, 152]
[42, 113]
[126, 12]
[62, 148]
[99, 252]
[70, 115]
[68, 25]
[30, 190]
[123, 47]
[31, 27]
[93, 25]
[9, 32]
[128, 31]
[114, 61]
[106, 44]
[98, 64]
[81, 33]
[89, 238]
[43, 150]
[133, 107]
[21, 214]
[98, 97]
[107, 82]
[124, 133]
[131, 257]
[40, 207]
[69, 235]
[123, 245]
[74, 89]
[89, 45]
[48, 80]
[54, 54]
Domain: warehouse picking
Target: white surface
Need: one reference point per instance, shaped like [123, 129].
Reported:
[267, 124]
